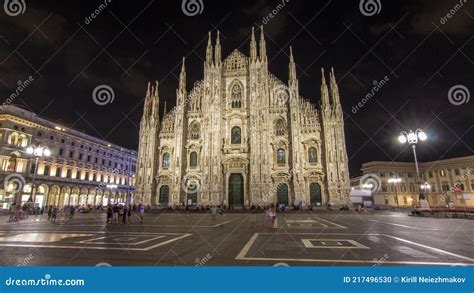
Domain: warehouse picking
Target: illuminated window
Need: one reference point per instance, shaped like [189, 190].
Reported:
[166, 161]
[236, 135]
[312, 155]
[281, 158]
[236, 99]
[194, 132]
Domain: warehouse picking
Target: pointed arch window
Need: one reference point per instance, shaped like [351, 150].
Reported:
[193, 160]
[165, 163]
[281, 156]
[312, 155]
[194, 132]
[236, 135]
[236, 96]
[280, 127]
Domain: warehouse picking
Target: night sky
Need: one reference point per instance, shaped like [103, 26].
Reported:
[132, 42]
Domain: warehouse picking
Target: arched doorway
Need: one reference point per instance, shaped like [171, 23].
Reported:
[315, 194]
[282, 194]
[164, 195]
[236, 189]
[192, 197]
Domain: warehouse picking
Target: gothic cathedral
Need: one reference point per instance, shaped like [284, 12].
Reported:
[243, 137]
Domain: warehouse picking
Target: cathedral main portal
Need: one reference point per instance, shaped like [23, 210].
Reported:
[236, 190]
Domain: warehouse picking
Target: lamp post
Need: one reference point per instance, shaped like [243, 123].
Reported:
[412, 137]
[394, 181]
[38, 152]
[111, 187]
[425, 187]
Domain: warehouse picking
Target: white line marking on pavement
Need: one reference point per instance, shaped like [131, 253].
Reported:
[97, 247]
[242, 254]
[405, 226]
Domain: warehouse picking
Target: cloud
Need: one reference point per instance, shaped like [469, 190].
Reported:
[272, 16]
[432, 12]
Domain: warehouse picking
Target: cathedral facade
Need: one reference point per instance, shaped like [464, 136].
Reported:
[241, 136]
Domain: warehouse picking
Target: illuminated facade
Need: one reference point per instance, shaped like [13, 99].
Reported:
[445, 182]
[81, 170]
[241, 137]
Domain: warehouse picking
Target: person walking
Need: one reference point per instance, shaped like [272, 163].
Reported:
[274, 216]
[72, 212]
[124, 214]
[109, 214]
[213, 215]
[129, 214]
[141, 212]
[54, 214]
[115, 211]
[50, 212]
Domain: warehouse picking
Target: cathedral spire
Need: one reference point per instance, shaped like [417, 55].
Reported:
[209, 51]
[148, 90]
[164, 110]
[324, 93]
[262, 45]
[253, 47]
[291, 69]
[217, 51]
[182, 78]
[155, 102]
[146, 104]
[334, 90]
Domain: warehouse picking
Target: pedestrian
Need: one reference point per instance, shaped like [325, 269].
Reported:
[54, 213]
[115, 211]
[253, 217]
[123, 214]
[273, 215]
[50, 212]
[268, 217]
[141, 212]
[72, 212]
[129, 214]
[213, 215]
[109, 214]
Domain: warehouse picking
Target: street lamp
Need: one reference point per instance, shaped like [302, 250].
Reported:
[111, 187]
[412, 138]
[425, 187]
[38, 152]
[394, 181]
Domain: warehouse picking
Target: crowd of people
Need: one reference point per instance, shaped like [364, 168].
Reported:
[116, 213]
